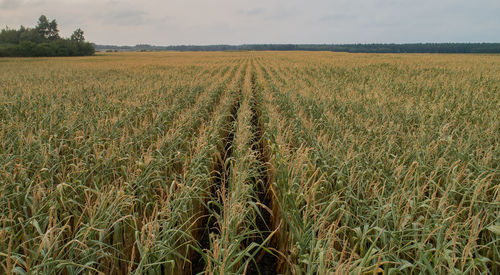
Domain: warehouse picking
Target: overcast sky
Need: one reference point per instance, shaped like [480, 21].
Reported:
[174, 22]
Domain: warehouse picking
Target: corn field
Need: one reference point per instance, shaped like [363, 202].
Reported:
[250, 163]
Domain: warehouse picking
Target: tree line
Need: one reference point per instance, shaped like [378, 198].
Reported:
[43, 40]
[352, 48]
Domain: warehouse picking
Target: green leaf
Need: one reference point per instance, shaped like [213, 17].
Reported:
[495, 229]
[18, 270]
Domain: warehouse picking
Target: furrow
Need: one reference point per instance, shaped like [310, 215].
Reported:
[266, 262]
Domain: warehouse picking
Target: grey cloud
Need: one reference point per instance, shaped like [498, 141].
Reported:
[337, 17]
[125, 17]
[282, 12]
[262, 21]
[10, 4]
[19, 4]
[254, 11]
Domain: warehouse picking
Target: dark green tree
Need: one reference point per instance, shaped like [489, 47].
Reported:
[31, 35]
[53, 30]
[10, 36]
[43, 27]
[43, 40]
[77, 36]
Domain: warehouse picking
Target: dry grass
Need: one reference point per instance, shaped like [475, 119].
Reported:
[376, 162]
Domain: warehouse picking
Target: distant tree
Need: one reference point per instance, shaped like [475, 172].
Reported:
[43, 26]
[47, 30]
[31, 35]
[27, 48]
[10, 36]
[77, 36]
[53, 30]
[43, 40]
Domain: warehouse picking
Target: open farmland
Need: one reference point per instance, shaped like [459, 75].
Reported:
[248, 162]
